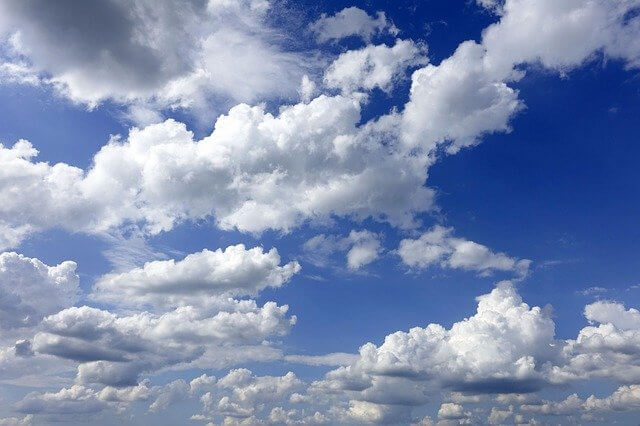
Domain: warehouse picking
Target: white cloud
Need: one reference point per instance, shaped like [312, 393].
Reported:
[374, 66]
[116, 350]
[506, 346]
[613, 313]
[561, 35]
[452, 411]
[254, 172]
[234, 271]
[365, 248]
[438, 247]
[31, 290]
[332, 359]
[457, 101]
[624, 398]
[361, 247]
[142, 52]
[78, 399]
[351, 21]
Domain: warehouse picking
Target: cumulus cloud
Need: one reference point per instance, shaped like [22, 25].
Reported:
[78, 399]
[437, 246]
[255, 172]
[314, 160]
[351, 21]
[116, 350]
[610, 347]
[374, 66]
[31, 290]
[144, 53]
[234, 271]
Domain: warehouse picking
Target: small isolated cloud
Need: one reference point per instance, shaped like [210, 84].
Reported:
[360, 247]
[439, 247]
[351, 21]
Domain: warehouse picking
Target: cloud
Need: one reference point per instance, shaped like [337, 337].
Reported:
[17, 421]
[247, 174]
[613, 313]
[374, 66]
[438, 247]
[176, 54]
[234, 271]
[507, 346]
[351, 21]
[31, 290]
[452, 411]
[609, 348]
[457, 101]
[333, 359]
[241, 394]
[116, 350]
[625, 398]
[79, 399]
[361, 248]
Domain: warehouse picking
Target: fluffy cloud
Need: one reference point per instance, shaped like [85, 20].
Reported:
[457, 101]
[241, 395]
[200, 276]
[609, 348]
[438, 247]
[613, 313]
[254, 172]
[31, 290]
[467, 95]
[144, 53]
[351, 21]
[624, 398]
[572, 32]
[116, 350]
[506, 346]
[373, 66]
[312, 161]
[79, 399]
[361, 248]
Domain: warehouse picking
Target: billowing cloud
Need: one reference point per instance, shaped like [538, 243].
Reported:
[116, 350]
[31, 290]
[254, 172]
[437, 246]
[234, 271]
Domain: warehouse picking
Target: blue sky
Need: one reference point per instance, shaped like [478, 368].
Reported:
[385, 166]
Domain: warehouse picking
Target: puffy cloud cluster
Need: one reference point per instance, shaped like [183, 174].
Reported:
[351, 21]
[255, 172]
[313, 160]
[506, 346]
[609, 348]
[116, 350]
[622, 399]
[197, 279]
[78, 399]
[194, 322]
[437, 246]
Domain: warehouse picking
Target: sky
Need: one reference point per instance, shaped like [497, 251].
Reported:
[262, 212]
